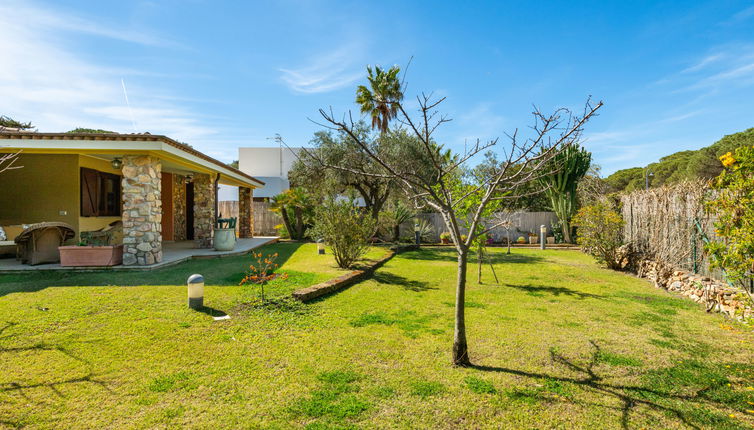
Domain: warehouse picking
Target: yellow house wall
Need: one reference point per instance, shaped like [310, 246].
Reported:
[45, 189]
[89, 223]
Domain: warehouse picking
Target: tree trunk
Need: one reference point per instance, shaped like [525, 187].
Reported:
[299, 214]
[460, 347]
[287, 222]
[566, 227]
[396, 233]
[509, 240]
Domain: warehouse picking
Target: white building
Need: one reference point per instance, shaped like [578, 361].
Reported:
[270, 165]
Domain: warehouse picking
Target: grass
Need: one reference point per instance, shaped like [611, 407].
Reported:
[561, 343]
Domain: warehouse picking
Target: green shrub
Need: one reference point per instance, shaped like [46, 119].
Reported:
[734, 208]
[345, 228]
[282, 231]
[600, 233]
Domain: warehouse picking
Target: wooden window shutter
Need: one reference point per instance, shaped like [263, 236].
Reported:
[90, 192]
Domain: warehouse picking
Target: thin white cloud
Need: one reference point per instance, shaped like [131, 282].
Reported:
[726, 68]
[329, 72]
[55, 20]
[740, 16]
[704, 62]
[43, 81]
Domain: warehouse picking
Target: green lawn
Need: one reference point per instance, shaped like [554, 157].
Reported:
[560, 343]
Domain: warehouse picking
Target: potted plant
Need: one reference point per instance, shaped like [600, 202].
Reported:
[520, 240]
[445, 237]
[550, 240]
[225, 234]
[91, 252]
[532, 238]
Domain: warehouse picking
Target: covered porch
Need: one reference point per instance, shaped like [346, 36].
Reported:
[154, 197]
[172, 253]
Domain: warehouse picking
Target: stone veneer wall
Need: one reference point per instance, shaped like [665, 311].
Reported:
[245, 212]
[204, 210]
[142, 210]
[715, 295]
[179, 207]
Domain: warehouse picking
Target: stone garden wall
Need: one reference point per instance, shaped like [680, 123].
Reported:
[715, 295]
[142, 210]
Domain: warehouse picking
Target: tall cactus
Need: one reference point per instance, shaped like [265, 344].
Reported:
[566, 169]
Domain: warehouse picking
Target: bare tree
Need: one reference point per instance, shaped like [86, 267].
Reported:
[7, 161]
[508, 220]
[524, 160]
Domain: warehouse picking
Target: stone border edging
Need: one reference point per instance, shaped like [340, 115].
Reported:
[318, 290]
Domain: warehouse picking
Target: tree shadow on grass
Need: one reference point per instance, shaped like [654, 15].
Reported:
[216, 271]
[449, 254]
[21, 389]
[408, 284]
[541, 290]
[683, 391]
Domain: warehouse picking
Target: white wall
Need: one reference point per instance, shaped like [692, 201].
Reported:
[270, 165]
[227, 192]
[267, 161]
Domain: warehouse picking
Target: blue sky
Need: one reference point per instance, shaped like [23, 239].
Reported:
[219, 75]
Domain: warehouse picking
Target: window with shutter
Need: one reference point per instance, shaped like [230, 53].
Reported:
[89, 192]
[100, 193]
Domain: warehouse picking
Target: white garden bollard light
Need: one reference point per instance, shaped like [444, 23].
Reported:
[542, 236]
[196, 291]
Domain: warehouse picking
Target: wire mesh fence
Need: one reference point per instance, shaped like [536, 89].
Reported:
[670, 224]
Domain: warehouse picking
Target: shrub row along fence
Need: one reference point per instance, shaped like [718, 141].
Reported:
[523, 223]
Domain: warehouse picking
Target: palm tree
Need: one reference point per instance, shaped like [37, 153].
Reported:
[280, 205]
[381, 101]
[297, 201]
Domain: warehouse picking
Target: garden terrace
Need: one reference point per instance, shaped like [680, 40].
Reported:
[559, 343]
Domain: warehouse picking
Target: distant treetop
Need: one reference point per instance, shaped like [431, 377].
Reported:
[703, 163]
[90, 130]
[6, 121]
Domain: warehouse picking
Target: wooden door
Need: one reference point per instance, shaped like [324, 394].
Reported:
[168, 232]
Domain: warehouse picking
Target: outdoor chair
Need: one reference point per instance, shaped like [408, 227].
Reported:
[8, 246]
[39, 243]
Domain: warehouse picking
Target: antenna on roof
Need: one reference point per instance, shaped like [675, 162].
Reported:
[280, 142]
[130, 112]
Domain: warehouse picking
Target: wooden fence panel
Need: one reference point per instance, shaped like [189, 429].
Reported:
[264, 219]
[228, 209]
[525, 222]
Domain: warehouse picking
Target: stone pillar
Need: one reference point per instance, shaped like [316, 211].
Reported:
[204, 210]
[179, 207]
[245, 213]
[142, 210]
